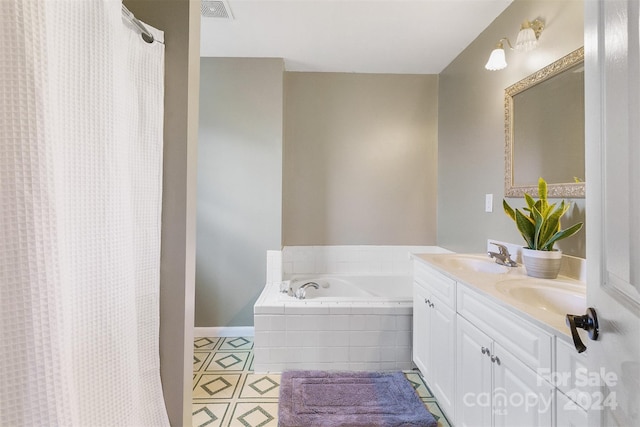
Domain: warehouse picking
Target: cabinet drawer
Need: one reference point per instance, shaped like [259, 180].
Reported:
[527, 342]
[440, 285]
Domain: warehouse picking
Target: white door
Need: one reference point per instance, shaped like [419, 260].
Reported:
[612, 76]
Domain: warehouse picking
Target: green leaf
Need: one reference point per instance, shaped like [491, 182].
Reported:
[526, 227]
[550, 228]
[508, 210]
[539, 205]
[539, 221]
[542, 193]
[563, 235]
[529, 200]
[549, 210]
[564, 208]
[542, 189]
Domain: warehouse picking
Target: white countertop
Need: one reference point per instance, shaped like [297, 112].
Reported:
[489, 285]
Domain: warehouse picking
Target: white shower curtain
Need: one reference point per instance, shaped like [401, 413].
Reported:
[81, 110]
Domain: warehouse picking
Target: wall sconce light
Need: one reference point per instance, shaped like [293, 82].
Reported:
[527, 40]
[529, 35]
[497, 60]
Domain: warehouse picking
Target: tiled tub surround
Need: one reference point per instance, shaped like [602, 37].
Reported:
[368, 334]
[336, 333]
[357, 259]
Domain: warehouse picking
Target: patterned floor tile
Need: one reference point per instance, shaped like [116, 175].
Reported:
[258, 386]
[205, 343]
[250, 368]
[199, 359]
[228, 361]
[237, 343]
[435, 410]
[419, 385]
[209, 414]
[216, 386]
[227, 393]
[254, 414]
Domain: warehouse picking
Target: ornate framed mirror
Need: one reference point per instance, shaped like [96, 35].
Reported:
[544, 130]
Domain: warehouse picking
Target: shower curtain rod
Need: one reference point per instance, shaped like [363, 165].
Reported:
[144, 32]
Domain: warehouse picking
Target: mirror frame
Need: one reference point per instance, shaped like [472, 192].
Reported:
[569, 190]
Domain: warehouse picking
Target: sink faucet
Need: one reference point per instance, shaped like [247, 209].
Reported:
[301, 292]
[502, 257]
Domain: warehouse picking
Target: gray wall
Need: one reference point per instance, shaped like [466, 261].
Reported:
[180, 21]
[239, 185]
[360, 159]
[471, 126]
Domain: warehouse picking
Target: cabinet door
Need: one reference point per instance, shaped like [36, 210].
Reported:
[473, 376]
[421, 338]
[569, 413]
[443, 334]
[521, 397]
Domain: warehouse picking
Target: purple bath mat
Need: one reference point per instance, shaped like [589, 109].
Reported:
[349, 399]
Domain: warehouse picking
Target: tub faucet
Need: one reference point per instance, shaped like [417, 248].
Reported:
[503, 257]
[301, 292]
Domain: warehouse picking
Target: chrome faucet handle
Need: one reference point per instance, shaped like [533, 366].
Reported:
[285, 286]
[499, 258]
[502, 248]
[504, 257]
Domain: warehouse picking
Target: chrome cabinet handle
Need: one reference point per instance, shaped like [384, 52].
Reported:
[485, 350]
[495, 359]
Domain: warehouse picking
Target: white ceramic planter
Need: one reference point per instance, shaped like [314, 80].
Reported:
[542, 264]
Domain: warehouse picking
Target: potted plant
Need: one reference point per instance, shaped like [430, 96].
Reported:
[540, 228]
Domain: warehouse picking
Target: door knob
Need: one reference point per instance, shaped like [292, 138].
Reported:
[588, 322]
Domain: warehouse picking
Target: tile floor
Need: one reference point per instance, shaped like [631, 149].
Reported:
[227, 393]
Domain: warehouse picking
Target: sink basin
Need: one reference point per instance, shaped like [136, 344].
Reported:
[559, 297]
[475, 263]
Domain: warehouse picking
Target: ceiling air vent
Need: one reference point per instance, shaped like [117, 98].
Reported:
[216, 9]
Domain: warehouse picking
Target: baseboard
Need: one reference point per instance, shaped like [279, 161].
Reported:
[224, 331]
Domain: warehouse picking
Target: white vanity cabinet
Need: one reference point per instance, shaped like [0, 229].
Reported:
[494, 386]
[486, 361]
[434, 333]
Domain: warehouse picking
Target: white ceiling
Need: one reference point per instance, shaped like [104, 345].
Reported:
[361, 36]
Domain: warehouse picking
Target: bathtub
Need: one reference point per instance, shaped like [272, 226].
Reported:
[351, 322]
[351, 288]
